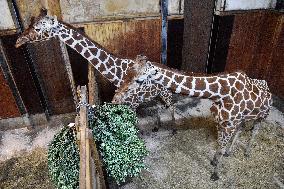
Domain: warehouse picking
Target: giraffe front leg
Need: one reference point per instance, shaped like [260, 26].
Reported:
[224, 136]
[167, 97]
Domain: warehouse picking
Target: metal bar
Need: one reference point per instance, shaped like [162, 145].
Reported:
[164, 34]
[36, 78]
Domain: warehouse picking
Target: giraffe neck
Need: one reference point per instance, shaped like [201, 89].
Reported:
[110, 66]
[212, 87]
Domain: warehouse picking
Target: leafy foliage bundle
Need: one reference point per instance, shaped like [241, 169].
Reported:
[123, 152]
[64, 159]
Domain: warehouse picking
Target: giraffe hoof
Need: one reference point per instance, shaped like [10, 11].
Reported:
[227, 154]
[155, 129]
[247, 155]
[214, 177]
[174, 131]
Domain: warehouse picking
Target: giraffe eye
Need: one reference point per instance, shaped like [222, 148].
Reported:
[37, 30]
[139, 81]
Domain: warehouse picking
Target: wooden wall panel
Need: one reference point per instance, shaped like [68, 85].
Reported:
[51, 68]
[22, 75]
[254, 47]
[8, 106]
[126, 39]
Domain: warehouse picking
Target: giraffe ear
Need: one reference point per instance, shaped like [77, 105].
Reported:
[43, 12]
[32, 20]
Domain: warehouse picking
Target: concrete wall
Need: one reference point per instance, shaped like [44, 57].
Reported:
[6, 21]
[74, 11]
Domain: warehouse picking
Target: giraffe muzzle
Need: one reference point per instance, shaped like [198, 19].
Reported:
[21, 41]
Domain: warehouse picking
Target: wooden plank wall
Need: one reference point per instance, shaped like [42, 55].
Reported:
[126, 39]
[22, 75]
[50, 65]
[257, 47]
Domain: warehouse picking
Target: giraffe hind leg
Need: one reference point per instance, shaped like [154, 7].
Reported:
[229, 149]
[223, 139]
[254, 133]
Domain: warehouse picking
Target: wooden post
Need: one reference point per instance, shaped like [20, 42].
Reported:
[91, 174]
[85, 178]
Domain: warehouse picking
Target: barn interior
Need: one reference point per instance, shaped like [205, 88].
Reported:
[39, 80]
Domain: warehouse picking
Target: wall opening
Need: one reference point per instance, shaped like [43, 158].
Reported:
[175, 43]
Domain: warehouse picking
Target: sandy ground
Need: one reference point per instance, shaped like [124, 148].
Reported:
[180, 160]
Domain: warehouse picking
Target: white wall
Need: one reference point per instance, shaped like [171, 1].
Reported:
[249, 4]
[230, 5]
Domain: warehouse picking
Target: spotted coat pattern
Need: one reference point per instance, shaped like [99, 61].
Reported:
[236, 97]
[45, 27]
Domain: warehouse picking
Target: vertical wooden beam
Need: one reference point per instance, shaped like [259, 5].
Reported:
[69, 71]
[164, 33]
[93, 86]
[82, 130]
[198, 16]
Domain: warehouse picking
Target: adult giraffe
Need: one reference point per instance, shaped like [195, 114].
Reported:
[113, 68]
[236, 97]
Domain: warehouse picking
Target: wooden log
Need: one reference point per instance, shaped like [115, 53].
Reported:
[82, 130]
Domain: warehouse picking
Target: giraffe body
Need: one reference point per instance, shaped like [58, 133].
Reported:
[236, 97]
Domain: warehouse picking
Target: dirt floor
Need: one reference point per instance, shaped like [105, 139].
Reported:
[176, 160]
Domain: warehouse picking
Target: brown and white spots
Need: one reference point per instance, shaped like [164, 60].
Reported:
[78, 47]
[253, 96]
[200, 84]
[235, 110]
[214, 87]
[77, 36]
[87, 54]
[83, 43]
[225, 114]
[250, 105]
[69, 41]
[225, 88]
[206, 94]
[246, 94]
[238, 97]
[211, 79]
[242, 105]
[239, 86]
[228, 106]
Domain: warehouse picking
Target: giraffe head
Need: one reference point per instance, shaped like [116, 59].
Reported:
[41, 28]
[145, 71]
